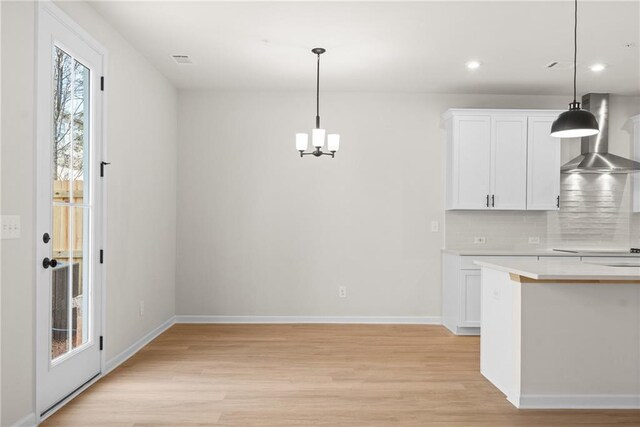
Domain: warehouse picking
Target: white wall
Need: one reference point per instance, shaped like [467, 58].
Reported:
[263, 232]
[17, 199]
[140, 257]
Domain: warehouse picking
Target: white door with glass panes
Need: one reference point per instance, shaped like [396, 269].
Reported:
[69, 208]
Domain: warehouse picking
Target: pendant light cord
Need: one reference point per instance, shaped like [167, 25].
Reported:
[318, 95]
[575, 48]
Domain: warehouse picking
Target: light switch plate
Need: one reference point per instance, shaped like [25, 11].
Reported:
[10, 227]
[435, 226]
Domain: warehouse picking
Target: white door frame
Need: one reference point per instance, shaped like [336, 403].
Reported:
[99, 188]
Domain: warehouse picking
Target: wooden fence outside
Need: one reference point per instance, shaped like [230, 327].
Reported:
[68, 251]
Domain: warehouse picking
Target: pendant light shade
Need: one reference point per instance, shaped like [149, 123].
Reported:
[575, 122]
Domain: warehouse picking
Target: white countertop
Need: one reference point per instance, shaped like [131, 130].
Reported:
[562, 269]
[536, 252]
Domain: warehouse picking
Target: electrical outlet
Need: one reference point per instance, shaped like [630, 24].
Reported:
[535, 240]
[342, 291]
[435, 226]
[10, 226]
[141, 308]
[480, 240]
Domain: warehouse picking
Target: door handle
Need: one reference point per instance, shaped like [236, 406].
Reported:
[493, 201]
[487, 200]
[46, 263]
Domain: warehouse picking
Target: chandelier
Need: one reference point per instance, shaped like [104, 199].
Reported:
[317, 134]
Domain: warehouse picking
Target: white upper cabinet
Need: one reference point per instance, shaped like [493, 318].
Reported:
[501, 160]
[543, 166]
[635, 120]
[472, 153]
[509, 162]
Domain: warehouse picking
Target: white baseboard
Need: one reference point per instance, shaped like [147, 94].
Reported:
[26, 421]
[383, 320]
[136, 346]
[578, 401]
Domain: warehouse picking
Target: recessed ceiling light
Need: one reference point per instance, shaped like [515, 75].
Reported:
[472, 65]
[597, 67]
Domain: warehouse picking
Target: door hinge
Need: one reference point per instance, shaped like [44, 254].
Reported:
[102, 83]
[101, 256]
[102, 165]
[101, 343]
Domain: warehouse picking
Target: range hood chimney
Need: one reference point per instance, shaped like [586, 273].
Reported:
[595, 157]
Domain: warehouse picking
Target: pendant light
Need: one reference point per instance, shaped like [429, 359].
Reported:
[317, 134]
[575, 122]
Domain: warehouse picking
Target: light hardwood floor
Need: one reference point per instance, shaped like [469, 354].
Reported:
[302, 375]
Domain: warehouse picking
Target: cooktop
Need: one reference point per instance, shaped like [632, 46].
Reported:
[600, 251]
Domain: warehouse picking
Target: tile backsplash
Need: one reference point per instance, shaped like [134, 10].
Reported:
[595, 212]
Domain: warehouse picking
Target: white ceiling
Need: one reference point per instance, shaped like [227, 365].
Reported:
[387, 46]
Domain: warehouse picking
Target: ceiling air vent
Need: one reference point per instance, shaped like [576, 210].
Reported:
[182, 59]
[560, 65]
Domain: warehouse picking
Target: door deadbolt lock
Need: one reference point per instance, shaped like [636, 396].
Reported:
[46, 263]
[46, 238]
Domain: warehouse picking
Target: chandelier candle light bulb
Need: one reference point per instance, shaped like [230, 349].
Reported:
[302, 141]
[333, 142]
[317, 134]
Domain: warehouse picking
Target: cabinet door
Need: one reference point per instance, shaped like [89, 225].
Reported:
[472, 162]
[509, 163]
[470, 298]
[543, 166]
[636, 156]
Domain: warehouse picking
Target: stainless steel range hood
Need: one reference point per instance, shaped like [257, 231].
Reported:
[595, 157]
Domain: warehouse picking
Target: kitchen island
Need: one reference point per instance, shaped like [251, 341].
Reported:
[561, 333]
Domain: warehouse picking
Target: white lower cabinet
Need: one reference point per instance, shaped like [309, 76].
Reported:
[469, 298]
[461, 292]
[462, 289]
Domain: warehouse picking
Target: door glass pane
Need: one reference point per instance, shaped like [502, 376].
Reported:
[60, 282]
[62, 123]
[80, 153]
[71, 205]
[81, 270]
